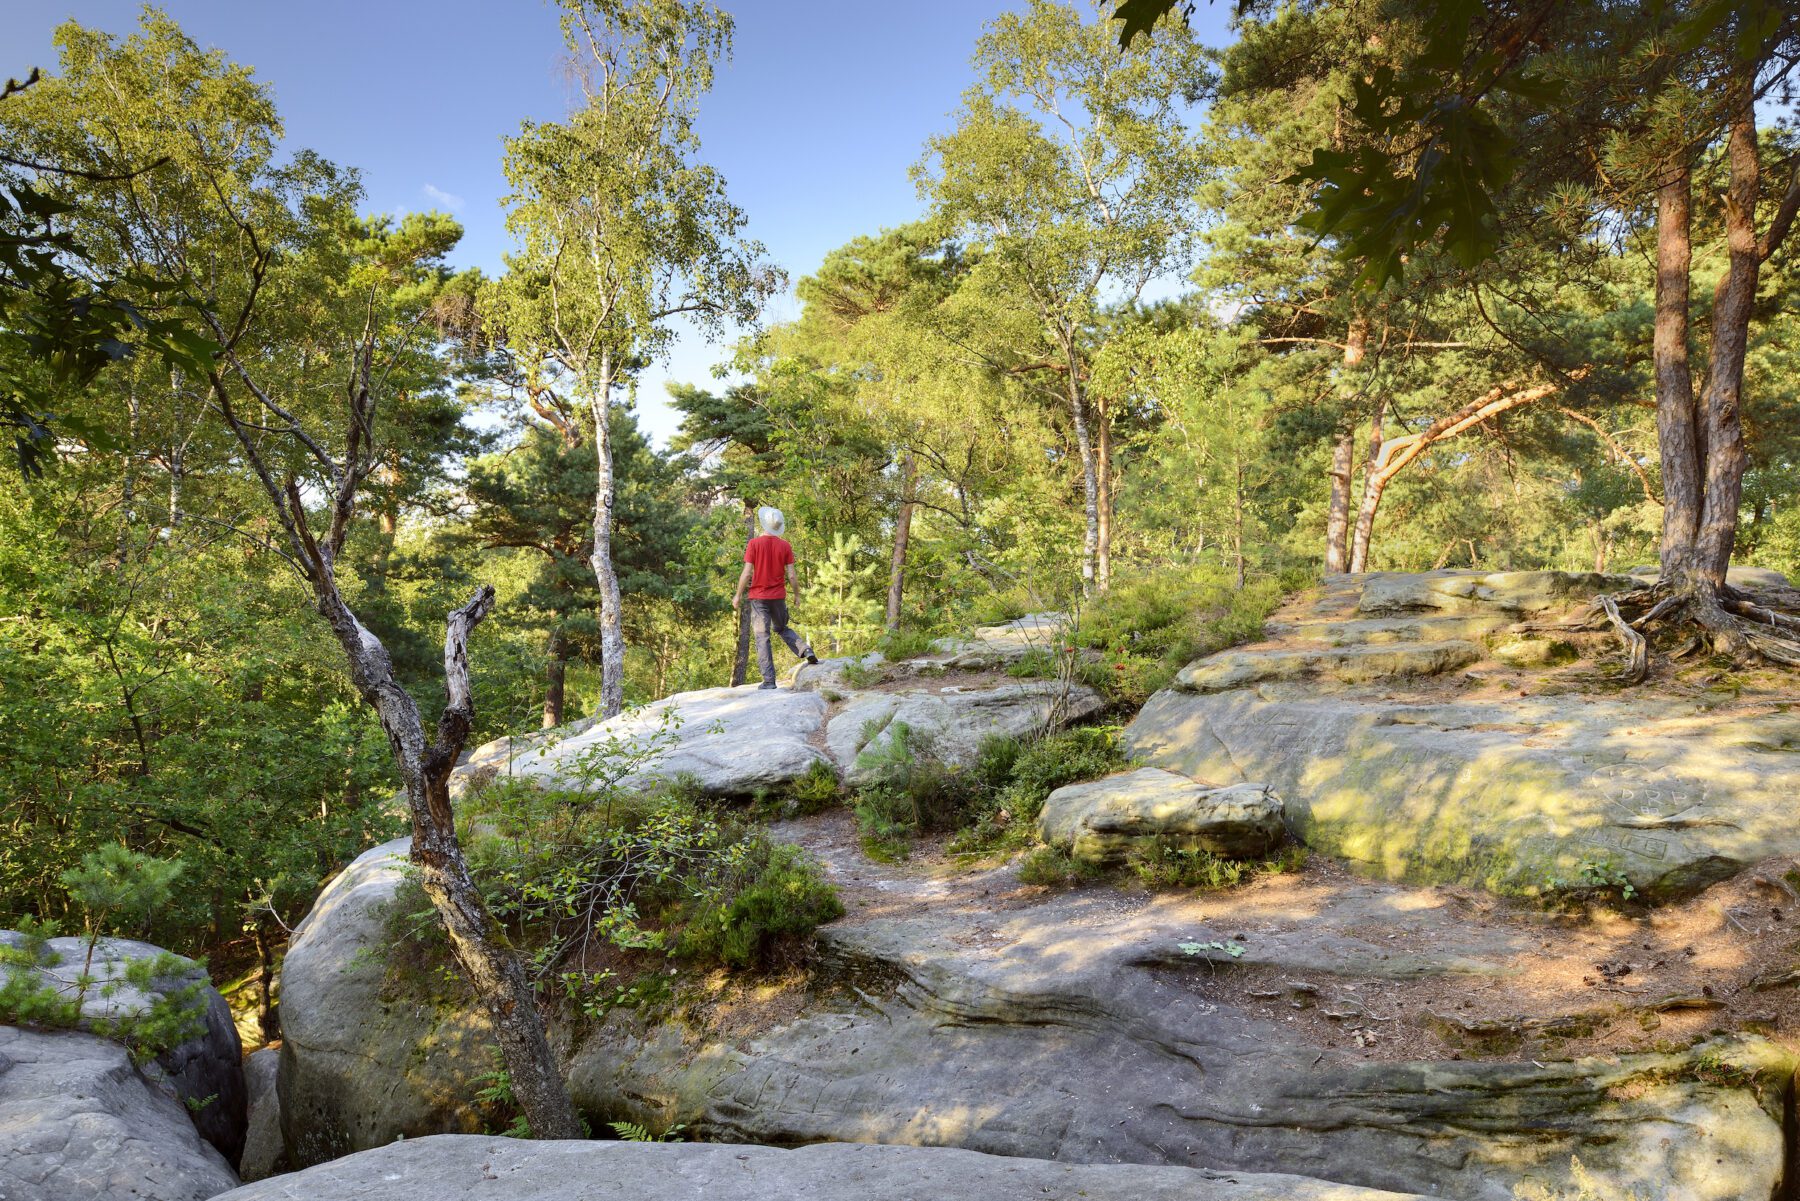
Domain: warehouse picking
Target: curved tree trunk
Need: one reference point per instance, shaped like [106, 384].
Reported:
[612, 630]
[1676, 431]
[909, 473]
[1343, 459]
[1090, 481]
[556, 670]
[1374, 483]
[1105, 484]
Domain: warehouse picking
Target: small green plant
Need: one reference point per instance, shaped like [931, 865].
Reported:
[497, 1101]
[764, 917]
[904, 643]
[1053, 867]
[1164, 866]
[1594, 878]
[859, 674]
[633, 1132]
[1234, 949]
[819, 789]
[1034, 664]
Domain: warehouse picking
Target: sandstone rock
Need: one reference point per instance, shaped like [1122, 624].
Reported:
[206, 1071]
[1521, 592]
[1506, 792]
[359, 1067]
[79, 1123]
[833, 675]
[453, 1168]
[1535, 652]
[993, 646]
[731, 741]
[951, 723]
[1345, 665]
[1072, 1031]
[264, 1155]
[1469, 627]
[1740, 577]
[1103, 820]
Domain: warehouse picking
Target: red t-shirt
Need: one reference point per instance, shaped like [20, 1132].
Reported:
[768, 557]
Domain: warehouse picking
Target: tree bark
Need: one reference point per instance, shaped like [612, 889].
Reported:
[740, 668]
[1722, 426]
[1374, 483]
[612, 630]
[1090, 475]
[556, 670]
[1103, 529]
[902, 535]
[1343, 458]
[1676, 432]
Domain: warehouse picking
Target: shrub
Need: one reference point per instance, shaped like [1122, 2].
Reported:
[819, 789]
[763, 914]
[1054, 868]
[1169, 867]
[904, 643]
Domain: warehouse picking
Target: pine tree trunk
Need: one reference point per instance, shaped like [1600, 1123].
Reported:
[556, 670]
[1677, 435]
[1722, 428]
[612, 630]
[902, 534]
[1374, 483]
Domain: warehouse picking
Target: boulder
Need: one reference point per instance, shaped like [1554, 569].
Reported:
[951, 723]
[264, 1154]
[462, 1168]
[360, 1066]
[731, 742]
[205, 1074]
[1072, 1029]
[1503, 791]
[79, 1122]
[1354, 664]
[989, 647]
[1515, 592]
[833, 675]
[1417, 627]
[1738, 577]
[1102, 821]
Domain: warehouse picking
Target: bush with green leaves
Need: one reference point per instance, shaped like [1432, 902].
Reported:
[1150, 625]
[1162, 866]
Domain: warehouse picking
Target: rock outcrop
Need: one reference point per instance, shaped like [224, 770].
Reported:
[950, 723]
[79, 1122]
[462, 1168]
[729, 742]
[1067, 1028]
[264, 1151]
[204, 1074]
[1102, 821]
[1503, 780]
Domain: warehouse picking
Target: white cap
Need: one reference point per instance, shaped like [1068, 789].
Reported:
[771, 519]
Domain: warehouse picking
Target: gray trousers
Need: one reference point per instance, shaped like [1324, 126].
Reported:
[767, 615]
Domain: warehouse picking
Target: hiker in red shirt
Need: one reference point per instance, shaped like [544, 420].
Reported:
[768, 570]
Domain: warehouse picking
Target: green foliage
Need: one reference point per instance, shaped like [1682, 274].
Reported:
[762, 914]
[1593, 878]
[118, 884]
[1170, 867]
[498, 1102]
[1052, 867]
[817, 790]
[633, 1132]
[1234, 949]
[840, 598]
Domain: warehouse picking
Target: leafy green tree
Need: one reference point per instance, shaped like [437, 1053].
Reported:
[620, 229]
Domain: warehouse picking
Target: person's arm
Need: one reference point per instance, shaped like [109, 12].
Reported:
[744, 577]
[790, 575]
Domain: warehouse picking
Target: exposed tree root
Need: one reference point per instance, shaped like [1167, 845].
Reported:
[1728, 621]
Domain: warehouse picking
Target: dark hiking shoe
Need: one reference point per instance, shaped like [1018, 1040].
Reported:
[765, 687]
[812, 658]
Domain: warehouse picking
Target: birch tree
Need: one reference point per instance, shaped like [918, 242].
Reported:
[620, 229]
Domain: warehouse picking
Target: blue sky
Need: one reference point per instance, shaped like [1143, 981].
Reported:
[814, 122]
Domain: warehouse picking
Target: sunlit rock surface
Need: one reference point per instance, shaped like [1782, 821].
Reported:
[949, 722]
[1509, 785]
[451, 1168]
[1102, 821]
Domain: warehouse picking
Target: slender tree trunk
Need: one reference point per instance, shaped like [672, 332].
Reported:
[1722, 422]
[612, 630]
[909, 472]
[128, 481]
[1104, 473]
[1237, 517]
[556, 670]
[1343, 458]
[1090, 475]
[1374, 483]
[1676, 431]
[177, 472]
[740, 668]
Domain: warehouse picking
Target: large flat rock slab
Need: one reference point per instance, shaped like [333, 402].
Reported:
[1512, 592]
[1353, 664]
[452, 1168]
[79, 1122]
[950, 723]
[987, 647]
[1103, 821]
[729, 741]
[1506, 792]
